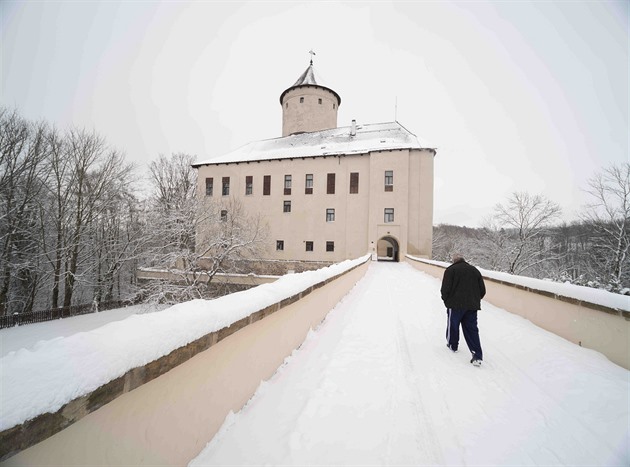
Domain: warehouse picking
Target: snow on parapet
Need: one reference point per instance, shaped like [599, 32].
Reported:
[336, 141]
[58, 371]
[577, 292]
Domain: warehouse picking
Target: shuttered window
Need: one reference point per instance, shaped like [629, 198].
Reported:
[354, 182]
[267, 185]
[330, 184]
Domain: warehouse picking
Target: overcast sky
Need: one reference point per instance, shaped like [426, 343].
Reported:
[515, 96]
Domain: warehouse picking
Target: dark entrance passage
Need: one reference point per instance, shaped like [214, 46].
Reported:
[387, 249]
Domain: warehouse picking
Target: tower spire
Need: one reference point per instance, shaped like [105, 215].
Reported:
[312, 53]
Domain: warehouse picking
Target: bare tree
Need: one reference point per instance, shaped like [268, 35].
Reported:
[174, 180]
[526, 219]
[494, 244]
[194, 237]
[449, 239]
[609, 216]
[55, 214]
[226, 234]
[95, 170]
[23, 153]
[117, 240]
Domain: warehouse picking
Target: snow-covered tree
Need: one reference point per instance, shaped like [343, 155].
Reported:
[519, 231]
[23, 173]
[609, 216]
[95, 170]
[193, 237]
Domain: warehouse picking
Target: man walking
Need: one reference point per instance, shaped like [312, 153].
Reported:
[462, 291]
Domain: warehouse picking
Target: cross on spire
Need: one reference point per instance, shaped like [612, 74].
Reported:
[312, 53]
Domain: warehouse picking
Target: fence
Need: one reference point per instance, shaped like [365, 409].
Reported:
[56, 313]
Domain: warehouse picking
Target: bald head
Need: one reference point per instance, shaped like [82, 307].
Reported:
[456, 257]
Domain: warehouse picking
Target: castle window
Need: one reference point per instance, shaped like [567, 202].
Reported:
[209, 186]
[330, 184]
[267, 185]
[389, 215]
[330, 215]
[286, 207]
[301, 100]
[354, 182]
[319, 101]
[286, 106]
[309, 246]
[223, 215]
[389, 180]
[226, 186]
[287, 184]
[333, 106]
[308, 184]
[249, 185]
[279, 245]
[330, 246]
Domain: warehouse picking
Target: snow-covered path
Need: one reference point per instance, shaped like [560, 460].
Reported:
[376, 385]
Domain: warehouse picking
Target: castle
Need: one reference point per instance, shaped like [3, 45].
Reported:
[330, 193]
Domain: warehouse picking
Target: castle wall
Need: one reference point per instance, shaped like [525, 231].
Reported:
[359, 218]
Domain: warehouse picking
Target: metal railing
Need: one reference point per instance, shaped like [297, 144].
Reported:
[57, 313]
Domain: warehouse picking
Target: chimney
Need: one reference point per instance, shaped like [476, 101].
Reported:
[353, 128]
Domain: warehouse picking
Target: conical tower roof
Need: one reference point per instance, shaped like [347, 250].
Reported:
[308, 79]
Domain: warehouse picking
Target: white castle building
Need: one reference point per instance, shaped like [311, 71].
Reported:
[330, 193]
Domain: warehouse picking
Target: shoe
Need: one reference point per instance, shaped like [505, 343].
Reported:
[476, 362]
[452, 350]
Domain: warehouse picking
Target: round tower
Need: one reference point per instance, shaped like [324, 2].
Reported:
[308, 106]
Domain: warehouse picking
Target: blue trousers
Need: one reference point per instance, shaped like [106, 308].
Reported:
[468, 320]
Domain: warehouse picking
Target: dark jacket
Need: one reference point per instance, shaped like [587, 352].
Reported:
[462, 287]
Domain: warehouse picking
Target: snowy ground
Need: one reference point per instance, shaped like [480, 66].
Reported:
[376, 385]
[48, 370]
[30, 335]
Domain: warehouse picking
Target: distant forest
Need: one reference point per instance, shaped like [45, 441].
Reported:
[524, 237]
[77, 221]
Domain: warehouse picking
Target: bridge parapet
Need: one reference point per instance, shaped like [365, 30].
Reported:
[256, 347]
[592, 318]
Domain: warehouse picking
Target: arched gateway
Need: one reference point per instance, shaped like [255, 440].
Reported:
[387, 249]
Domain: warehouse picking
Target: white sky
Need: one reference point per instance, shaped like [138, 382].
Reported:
[514, 95]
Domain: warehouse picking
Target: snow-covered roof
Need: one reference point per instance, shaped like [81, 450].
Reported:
[308, 78]
[335, 141]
